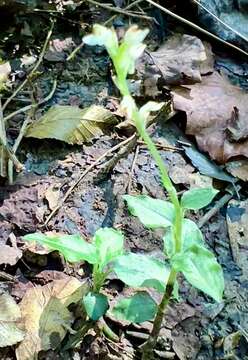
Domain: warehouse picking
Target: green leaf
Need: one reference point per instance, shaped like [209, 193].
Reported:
[95, 305]
[198, 198]
[71, 124]
[191, 235]
[109, 244]
[153, 213]
[201, 269]
[73, 247]
[136, 309]
[139, 270]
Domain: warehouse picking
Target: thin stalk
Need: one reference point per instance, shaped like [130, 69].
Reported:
[147, 349]
[177, 225]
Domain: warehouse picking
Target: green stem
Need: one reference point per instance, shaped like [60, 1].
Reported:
[177, 225]
[147, 350]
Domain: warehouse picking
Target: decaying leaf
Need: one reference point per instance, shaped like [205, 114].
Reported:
[217, 114]
[5, 70]
[237, 223]
[9, 255]
[179, 59]
[52, 195]
[46, 316]
[72, 124]
[10, 321]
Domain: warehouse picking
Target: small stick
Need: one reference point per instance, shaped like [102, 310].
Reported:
[28, 107]
[33, 70]
[165, 147]
[7, 276]
[3, 142]
[126, 8]
[220, 21]
[120, 11]
[72, 187]
[217, 206]
[129, 183]
[198, 28]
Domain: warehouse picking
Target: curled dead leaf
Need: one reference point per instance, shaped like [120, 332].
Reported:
[217, 115]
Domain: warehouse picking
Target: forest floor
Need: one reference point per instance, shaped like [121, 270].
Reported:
[64, 187]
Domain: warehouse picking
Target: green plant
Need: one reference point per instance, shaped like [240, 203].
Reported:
[106, 254]
[183, 240]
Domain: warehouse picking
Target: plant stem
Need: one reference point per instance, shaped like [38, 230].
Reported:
[147, 349]
[178, 220]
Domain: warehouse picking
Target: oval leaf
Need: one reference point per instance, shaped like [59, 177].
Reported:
[73, 247]
[71, 124]
[191, 235]
[139, 270]
[109, 244]
[201, 269]
[95, 305]
[136, 309]
[153, 213]
[198, 198]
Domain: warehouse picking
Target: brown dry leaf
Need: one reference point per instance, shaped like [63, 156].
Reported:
[179, 59]
[238, 168]
[237, 223]
[9, 255]
[5, 70]
[217, 114]
[52, 195]
[46, 316]
[10, 321]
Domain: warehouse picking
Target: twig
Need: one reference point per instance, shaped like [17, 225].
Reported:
[120, 11]
[4, 143]
[217, 206]
[126, 8]
[28, 107]
[33, 70]
[79, 47]
[129, 182]
[220, 21]
[74, 52]
[161, 146]
[196, 27]
[73, 186]
[7, 276]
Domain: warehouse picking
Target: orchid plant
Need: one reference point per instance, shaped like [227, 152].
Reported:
[183, 241]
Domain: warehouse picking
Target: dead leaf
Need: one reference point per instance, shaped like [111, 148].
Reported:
[215, 109]
[10, 321]
[237, 223]
[9, 255]
[5, 70]
[52, 195]
[179, 59]
[46, 316]
[72, 124]
[238, 168]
